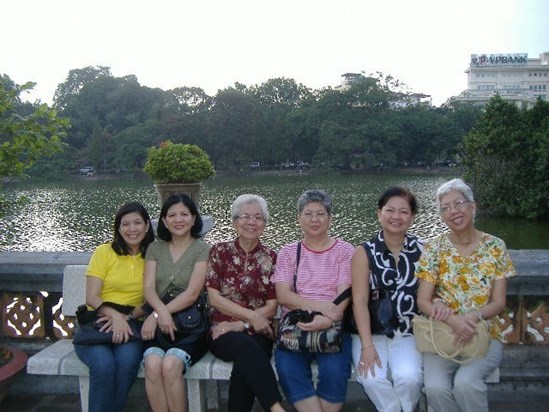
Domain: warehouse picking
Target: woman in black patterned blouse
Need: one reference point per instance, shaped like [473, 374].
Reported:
[387, 262]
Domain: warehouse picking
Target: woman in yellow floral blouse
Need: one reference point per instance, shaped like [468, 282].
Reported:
[463, 280]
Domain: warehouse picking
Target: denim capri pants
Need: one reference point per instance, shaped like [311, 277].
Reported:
[334, 370]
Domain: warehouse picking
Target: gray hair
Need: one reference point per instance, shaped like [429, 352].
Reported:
[311, 196]
[457, 185]
[245, 199]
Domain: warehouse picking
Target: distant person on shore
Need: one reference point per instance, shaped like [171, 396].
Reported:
[387, 263]
[463, 280]
[179, 259]
[115, 274]
[244, 303]
[323, 273]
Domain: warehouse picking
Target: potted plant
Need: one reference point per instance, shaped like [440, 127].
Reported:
[11, 362]
[177, 167]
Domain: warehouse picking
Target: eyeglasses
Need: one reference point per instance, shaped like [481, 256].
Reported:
[248, 218]
[319, 215]
[459, 205]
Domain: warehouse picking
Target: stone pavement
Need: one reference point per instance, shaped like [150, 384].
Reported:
[71, 403]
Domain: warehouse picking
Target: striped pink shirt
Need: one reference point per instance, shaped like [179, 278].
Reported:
[320, 273]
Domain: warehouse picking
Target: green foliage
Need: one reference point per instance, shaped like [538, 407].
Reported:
[178, 163]
[506, 159]
[115, 119]
[26, 134]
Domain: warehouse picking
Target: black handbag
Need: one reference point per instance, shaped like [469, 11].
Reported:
[292, 338]
[383, 317]
[383, 314]
[87, 331]
[191, 323]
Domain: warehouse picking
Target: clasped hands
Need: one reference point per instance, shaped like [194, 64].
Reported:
[258, 323]
[164, 322]
[463, 325]
[329, 313]
[118, 325]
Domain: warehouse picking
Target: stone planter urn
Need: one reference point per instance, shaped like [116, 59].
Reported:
[9, 369]
[165, 190]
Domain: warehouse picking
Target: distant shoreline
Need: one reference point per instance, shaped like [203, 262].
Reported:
[284, 172]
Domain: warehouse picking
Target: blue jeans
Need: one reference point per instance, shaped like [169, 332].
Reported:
[334, 369]
[113, 370]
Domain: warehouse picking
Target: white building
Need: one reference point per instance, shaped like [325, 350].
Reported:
[398, 99]
[515, 77]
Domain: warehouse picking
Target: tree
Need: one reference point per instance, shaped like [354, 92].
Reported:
[26, 135]
[506, 159]
[233, 125]
[75, 81]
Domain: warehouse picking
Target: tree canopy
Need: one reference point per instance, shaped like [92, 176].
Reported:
[278, 122]
[507, 159]
[28, 132]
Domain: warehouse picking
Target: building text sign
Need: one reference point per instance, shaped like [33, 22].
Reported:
[479, 60]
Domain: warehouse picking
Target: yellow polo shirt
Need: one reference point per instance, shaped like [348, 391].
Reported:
[122, 276]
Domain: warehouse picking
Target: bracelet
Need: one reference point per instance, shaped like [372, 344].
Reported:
[367, 346]
[435, 300]
[130, 317]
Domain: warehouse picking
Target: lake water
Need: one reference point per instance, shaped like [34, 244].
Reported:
[77, 215]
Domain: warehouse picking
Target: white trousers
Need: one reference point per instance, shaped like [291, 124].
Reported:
[452, 387]
[397, 384]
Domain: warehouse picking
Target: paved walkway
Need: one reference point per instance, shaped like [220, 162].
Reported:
[71, 403]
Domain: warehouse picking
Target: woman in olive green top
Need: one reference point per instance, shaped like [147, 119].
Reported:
[179, 259]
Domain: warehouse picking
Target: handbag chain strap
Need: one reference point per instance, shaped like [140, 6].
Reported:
[340, 298]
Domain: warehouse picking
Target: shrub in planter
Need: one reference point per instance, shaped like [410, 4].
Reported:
[178, 163]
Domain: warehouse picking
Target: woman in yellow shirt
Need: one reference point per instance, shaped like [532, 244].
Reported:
[115, 275]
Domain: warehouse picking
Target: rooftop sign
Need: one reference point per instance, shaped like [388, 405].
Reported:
[484, 60]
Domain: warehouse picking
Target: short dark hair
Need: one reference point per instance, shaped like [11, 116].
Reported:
[314, 196]
[118, 243]
[162, 230]
[396, 191]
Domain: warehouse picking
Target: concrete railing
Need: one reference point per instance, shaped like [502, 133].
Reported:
[31, 285]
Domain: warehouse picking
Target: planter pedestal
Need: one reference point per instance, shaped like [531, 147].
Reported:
[165, 190]
[10, 369]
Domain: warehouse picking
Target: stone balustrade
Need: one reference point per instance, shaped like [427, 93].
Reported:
[31, 285]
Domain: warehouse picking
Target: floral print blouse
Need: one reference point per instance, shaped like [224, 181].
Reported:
[465, 282]
[240, 276]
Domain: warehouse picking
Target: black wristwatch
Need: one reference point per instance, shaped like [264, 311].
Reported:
[246, 326]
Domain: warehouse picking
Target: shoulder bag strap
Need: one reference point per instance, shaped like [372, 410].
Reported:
[298, 256]
[370, 262]
[347, 293]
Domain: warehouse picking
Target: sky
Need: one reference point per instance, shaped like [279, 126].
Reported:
[212, 44]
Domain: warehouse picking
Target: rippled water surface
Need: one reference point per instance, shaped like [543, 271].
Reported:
[78, 215]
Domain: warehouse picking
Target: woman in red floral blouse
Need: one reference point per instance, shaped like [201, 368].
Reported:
[244, 303]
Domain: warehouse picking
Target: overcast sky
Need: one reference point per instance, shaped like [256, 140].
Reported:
[212, 44]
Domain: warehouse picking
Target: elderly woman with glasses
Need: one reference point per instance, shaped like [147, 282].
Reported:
[323, 273]
[244, 303]
[463, 279]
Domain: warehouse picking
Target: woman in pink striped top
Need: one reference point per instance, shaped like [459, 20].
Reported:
[324, 272]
